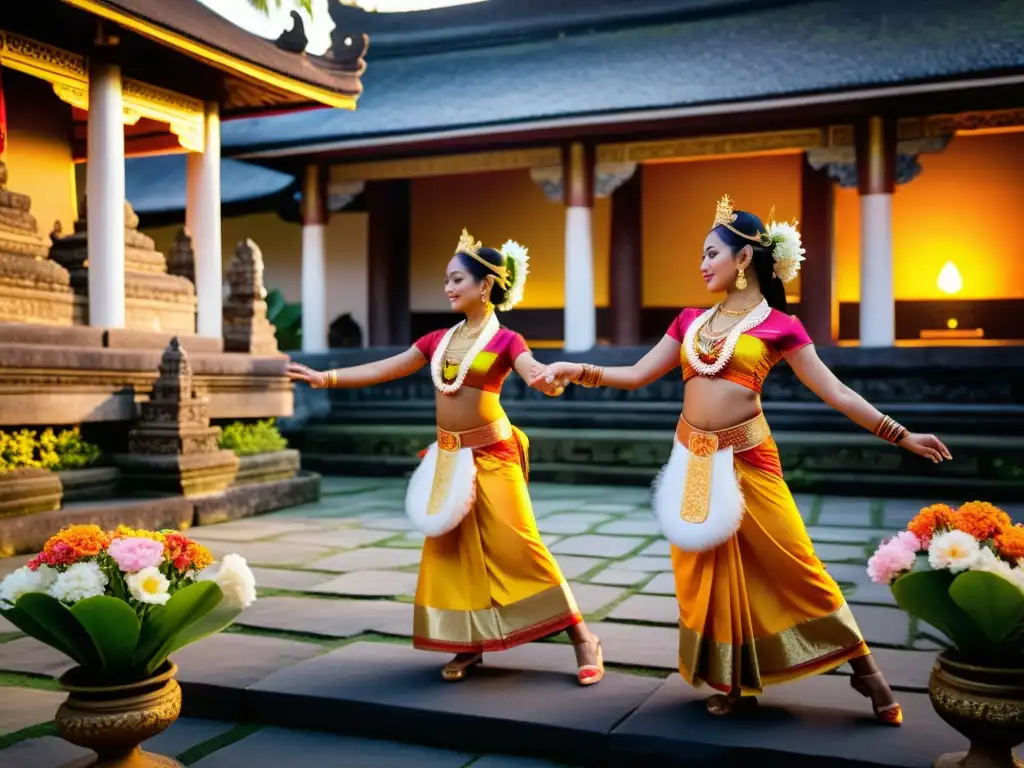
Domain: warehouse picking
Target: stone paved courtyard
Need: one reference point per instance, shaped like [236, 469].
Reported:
[333, 621]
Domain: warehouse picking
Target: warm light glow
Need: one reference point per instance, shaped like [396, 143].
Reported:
[952, 323]
[949, 280]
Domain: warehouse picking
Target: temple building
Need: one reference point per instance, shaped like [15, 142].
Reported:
[600, 135]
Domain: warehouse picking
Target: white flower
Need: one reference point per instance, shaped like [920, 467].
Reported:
[236, 581]
[517, 254]
[23, 581]
[149, 586]
[954, 550]
[988, 562]
[78, 582]
[788, 252]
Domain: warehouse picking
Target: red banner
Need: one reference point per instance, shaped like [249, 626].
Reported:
[3, 119]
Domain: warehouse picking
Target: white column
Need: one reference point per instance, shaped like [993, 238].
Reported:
[105, 197]
[314, 261]
[876, 161]
[193, 170]
[580, 332]
[206, 238]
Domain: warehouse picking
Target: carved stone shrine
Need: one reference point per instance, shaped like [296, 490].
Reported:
[154, 299]
[181, 260]
[33, 289]
[173, 448]
[246, 327]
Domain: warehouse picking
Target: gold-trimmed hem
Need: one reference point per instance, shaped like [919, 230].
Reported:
[811, 647]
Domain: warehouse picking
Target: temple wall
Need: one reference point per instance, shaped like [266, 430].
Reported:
[38, 155]
[495, 207]
[281, 244]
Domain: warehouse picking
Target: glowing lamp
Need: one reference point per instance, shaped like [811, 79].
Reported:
[952, 324]
[950, 281]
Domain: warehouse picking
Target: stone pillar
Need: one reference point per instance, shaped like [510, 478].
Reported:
[207, 234]
[105, 189]
[246, 328]
[876, 163]
[314, 259]
[580, 321]
[193, 172]
[389, 203]
[626, 259]
[819, 305]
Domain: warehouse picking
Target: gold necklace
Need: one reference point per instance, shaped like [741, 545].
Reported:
[737, 312]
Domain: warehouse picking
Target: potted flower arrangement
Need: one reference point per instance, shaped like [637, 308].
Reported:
[119, 604]
[962, 571]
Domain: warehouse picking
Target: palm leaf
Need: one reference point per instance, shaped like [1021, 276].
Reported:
[59, 624]
[188, 606]
[263, 6]
[114, 628]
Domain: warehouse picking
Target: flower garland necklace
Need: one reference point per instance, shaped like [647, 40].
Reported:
[487, 332]
[711, 361]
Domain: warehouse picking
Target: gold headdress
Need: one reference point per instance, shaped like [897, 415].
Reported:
[472, 248]
[787, 252]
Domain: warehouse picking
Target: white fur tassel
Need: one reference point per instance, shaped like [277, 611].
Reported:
[513, 251]
[461, 493]
[726, 506]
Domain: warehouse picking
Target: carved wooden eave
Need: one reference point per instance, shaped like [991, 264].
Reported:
[68, 73]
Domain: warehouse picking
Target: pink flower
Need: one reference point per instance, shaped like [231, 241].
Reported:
[134, 554]
[893, 558]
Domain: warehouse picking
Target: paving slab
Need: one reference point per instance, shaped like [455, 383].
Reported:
[265, 552]
[595, 545]
[281, 578]
[804, 503]
[184, 734]
[631, 527]
[366, 559]
[508, 761]
[274, 747]
[905, 670]
[392, 522]
[570, 522]
[660, 548]
[898, 512]
[808, 724]
[883, 626]
[662, 584]
[646, 564]
[574, 567]
[834, 534]
[368, 688]
[591, 598]
[865, 591]
[251, 529]
[345, 538]
[831, 553]
[636, 645]
[845, 512]
[44, 752]
[28, 655]
[370, 584]
[617, 509]
[328, 617]
[24, 707]
[618, 577]
[214, 671]
[648, 608]
[6, 626]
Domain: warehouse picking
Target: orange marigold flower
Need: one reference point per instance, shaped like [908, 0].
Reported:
[981, 520]
[186, 554]
[929, 519]
[1010, 543]
[80, 540]
[199, 555]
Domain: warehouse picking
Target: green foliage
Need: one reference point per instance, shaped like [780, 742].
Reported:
[250, 439]
[263, 6]
[287, 321]
[54, 451]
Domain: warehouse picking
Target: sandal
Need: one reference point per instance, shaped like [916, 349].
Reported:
[886, 714]
[591, 674]
[456, 670]
[721, 705]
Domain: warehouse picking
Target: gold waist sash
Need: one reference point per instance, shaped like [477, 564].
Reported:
[489, 434]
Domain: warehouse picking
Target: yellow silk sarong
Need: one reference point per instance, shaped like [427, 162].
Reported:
[761, 608]
[491, 584]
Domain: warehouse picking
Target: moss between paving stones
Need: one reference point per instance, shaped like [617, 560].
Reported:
[207, 748]
[32, 732]
[24, 680]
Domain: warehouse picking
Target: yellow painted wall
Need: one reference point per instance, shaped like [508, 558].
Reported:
[38, 153]
[965, 207]
[679, 210]
[281, 245]
[495, 207]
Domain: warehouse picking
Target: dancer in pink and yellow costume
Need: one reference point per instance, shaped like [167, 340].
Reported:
[756, 605]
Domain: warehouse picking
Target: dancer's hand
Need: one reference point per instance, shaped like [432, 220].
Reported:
[928, 446]
[556, 373]
[300, 372]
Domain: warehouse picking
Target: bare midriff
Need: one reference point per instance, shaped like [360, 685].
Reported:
[712, 403]
[467, 409]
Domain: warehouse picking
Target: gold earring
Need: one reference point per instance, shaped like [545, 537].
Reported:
[741, 281]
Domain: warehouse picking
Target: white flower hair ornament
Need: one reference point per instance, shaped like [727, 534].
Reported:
[517, 267]
[787, 251]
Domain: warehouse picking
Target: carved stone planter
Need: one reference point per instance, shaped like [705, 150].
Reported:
[114, 720]
[25, 491]
[985, 705]
[265, 467]
[90, 483]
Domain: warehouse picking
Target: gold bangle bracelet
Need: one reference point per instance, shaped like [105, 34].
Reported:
[590, 376]
[890, 430]
[332, 379]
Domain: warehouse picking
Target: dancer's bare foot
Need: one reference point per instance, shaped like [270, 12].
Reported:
[589, 660]
[457, 669]
[721, 705]
[874, 686]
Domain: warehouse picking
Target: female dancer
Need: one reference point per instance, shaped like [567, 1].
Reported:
[486, 582]
[756, 605]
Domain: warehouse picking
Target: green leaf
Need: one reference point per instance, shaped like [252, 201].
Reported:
[275, 303]
[925, 595]
[55, 618]
[186, 607]
[113, 627]
[992, 602]
[33, 628]
[218, 619]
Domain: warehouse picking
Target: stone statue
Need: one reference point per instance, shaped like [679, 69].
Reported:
[246, 327]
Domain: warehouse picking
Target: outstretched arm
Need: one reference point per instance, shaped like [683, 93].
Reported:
[651, 367]
[525, 365]
[366, 375]
[817, 377]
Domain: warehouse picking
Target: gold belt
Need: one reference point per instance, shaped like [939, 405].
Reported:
[742, 437]
[489, 434]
